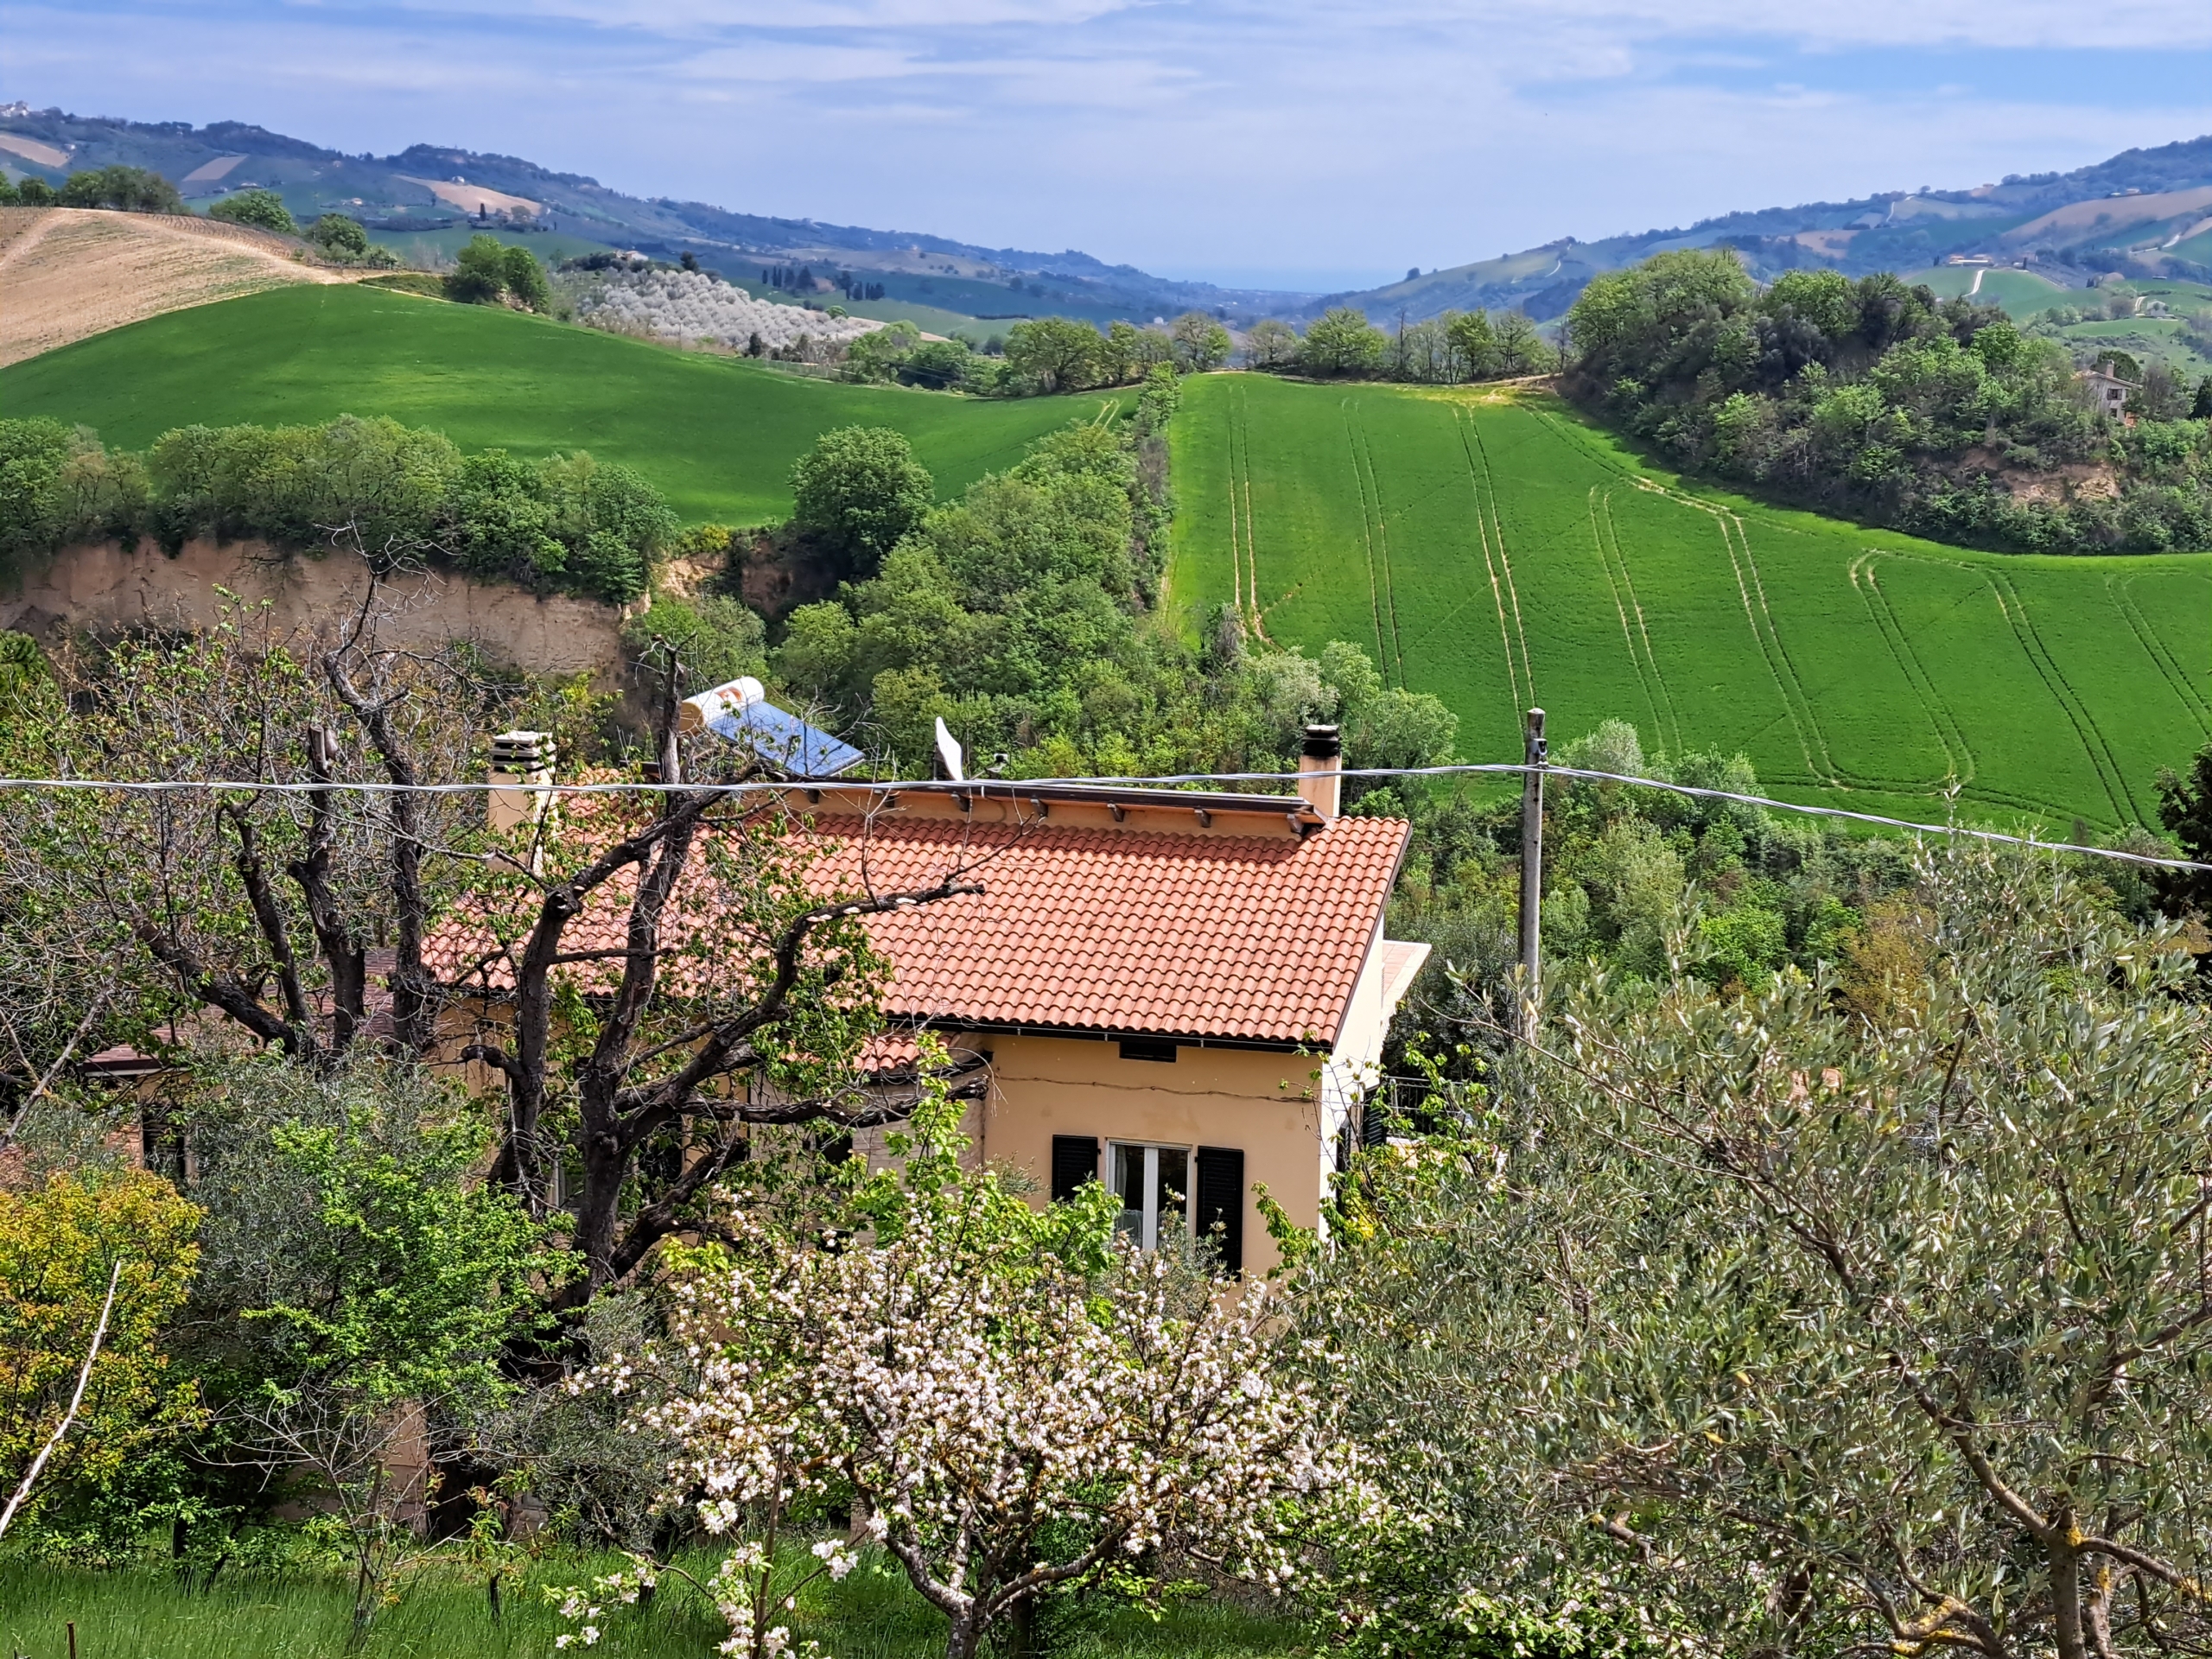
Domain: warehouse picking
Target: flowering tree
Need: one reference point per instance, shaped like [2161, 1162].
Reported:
[1019, 1401]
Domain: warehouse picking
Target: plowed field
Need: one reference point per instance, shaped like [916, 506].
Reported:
[68, 273]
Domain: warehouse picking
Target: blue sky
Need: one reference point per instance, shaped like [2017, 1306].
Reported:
[1280, 143]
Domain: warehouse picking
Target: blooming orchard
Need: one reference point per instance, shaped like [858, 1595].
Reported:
[690, 305]
[1018, 1400]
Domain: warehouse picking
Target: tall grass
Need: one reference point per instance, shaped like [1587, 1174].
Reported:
[142, 1612]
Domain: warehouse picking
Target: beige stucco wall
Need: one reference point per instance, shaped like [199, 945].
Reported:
[102, 586]
[1265, 1104]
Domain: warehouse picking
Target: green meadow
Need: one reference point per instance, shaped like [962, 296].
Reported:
[1493, 550]
[718, 435]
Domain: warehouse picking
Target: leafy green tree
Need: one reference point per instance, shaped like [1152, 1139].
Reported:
[360, 1285]
[880, 353]
[1342, 341]
[1200, 342]
[35, 192]
[1055, 354]
[59, 486]
[1518, 348]
[525, 280]
[1474, 343]
[479, 272]
[858, 492]
[1270, 344]
[134, 189]
[1130, 352]
[339, 236]
[940, 364]
[2201, 409]
[262, 209]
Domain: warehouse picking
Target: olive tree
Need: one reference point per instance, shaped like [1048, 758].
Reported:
[1832, 1336]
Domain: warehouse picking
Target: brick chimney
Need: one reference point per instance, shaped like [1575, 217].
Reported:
[1320, 763]
[522, 781]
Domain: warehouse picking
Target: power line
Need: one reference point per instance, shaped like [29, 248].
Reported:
[1016, 785]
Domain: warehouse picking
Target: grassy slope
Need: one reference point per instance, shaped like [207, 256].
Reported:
[140, 1612]
[718, 435]
[1498, 552]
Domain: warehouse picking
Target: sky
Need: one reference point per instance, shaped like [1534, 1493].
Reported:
[1264, 143]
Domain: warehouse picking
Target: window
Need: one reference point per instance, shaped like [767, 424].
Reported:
[1148, 1048]
[1153, 1184]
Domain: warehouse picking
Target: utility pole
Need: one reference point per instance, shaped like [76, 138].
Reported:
[1532, 873]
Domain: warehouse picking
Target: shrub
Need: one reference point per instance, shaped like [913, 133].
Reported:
[339, 236]
[525, 280]
[61, 1246]
[480, 273]
[262, 209]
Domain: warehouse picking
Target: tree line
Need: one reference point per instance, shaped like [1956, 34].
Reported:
[566, 524]
[1879, 400]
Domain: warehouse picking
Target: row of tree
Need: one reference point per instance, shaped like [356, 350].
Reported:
[565, 523]
[1442, 350]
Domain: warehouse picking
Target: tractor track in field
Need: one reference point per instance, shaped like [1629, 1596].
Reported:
[2161, 655]
[1367, 512]
[1383, 544]
[1941, 715]
[2110, 773]
[1602, 530]
[1486, 495]
[1752, 592]
[1243, 547]
[2112, 777]
[1489, 566]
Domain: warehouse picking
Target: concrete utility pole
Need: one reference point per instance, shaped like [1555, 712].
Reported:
[1532, 873]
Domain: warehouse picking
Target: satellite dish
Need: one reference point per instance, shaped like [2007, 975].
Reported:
[947, 753]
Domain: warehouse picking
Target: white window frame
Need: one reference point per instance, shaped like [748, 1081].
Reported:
[1149, 1226]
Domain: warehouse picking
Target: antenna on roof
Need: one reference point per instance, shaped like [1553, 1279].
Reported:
[948, 754]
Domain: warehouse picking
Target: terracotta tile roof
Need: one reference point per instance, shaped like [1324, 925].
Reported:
[1254, 939]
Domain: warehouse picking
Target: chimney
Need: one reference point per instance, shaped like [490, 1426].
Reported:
[1320, 778]
[522, 781]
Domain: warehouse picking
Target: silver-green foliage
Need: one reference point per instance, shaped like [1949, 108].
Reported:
[1827, 1336]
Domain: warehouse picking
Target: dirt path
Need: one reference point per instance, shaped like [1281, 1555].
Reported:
[68, 273]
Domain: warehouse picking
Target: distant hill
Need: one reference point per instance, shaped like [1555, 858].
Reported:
[431, 198]
[2145, 214]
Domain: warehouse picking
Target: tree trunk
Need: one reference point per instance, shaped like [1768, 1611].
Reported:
[2066, 1591]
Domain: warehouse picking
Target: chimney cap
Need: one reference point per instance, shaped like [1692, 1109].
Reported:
[1323, 743]
[523, 750]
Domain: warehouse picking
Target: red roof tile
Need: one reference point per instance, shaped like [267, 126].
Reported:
[1258, 939]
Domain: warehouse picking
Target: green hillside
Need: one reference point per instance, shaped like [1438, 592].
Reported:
[1495, 551]
[718, 435]
[2021, 293]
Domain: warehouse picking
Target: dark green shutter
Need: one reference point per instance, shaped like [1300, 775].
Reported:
[1075, 1161]
[1221, 1202]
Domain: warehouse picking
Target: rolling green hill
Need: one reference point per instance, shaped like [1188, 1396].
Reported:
[1494, 550]
[717, 435]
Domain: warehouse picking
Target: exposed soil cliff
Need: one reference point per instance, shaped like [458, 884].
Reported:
[103, 587]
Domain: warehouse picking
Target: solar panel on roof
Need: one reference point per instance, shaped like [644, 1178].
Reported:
[784, 741]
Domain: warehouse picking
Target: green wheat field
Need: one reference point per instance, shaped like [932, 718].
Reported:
[1491, 548]
[717, 435]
